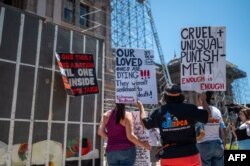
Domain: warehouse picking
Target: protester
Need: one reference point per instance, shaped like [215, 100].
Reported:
[210, 145]
[242, 133]
[176, 122]
[117, 126]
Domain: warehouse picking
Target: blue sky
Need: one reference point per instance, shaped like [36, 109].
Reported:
[171, 16]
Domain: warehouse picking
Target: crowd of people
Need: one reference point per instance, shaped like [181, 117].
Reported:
[191, 135]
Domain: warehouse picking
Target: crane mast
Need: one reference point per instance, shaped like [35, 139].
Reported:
[158, 45]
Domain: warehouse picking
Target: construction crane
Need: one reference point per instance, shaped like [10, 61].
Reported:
[157, 42]
[140, 27]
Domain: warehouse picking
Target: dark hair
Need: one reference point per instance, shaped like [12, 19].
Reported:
[173, 99]
[209, 95]
[120, 112]
[246, 112]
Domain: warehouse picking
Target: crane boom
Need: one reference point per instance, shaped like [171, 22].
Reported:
[158, 44]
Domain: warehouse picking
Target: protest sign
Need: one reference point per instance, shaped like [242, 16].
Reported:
[135, 76]
[78, 73]
[203, 59]
[142, 155]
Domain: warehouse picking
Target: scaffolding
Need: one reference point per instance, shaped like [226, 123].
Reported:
[130, 25]
[241, 91]
[238, 92]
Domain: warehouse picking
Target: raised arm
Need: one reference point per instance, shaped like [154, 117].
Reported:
[142, 111]
[130, 132]
[205, 106]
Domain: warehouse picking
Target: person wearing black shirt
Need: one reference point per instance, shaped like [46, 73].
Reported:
[176, 122]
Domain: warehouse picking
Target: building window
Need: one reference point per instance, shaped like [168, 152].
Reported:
[84, 16]
[69, 11]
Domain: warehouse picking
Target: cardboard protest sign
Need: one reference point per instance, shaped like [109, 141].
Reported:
[203, 59]
[135, 76]
[142, 155]
[78, 73]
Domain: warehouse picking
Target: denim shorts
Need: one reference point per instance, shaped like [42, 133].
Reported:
[121, 157]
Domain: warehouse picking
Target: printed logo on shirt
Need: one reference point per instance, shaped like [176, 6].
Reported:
[213, 120]
[180, 123]
[173, 122]
[168, 122]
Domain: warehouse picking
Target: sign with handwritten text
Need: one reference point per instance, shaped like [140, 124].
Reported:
[135, 76]
[203, 59]
[78, 73]
[142, 155]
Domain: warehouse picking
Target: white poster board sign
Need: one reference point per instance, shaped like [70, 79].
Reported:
[203, 59]
[135, 76]
[142, 155]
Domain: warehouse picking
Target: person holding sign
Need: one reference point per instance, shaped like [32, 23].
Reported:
[117, 126]
[211, 145]
[176, 122]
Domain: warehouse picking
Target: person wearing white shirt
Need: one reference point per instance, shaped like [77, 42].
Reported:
[210, 145]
